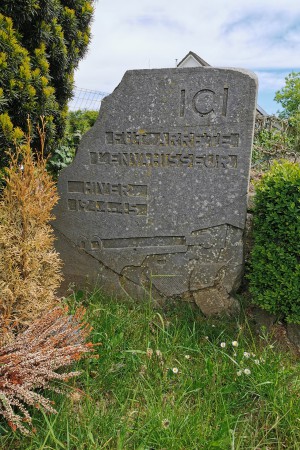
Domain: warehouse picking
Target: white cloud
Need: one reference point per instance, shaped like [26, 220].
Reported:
[271, 80]
[258, 35]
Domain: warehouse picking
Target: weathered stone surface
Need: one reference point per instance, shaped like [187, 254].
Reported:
[263, 319]
[215, 301]
[293, 333]
[156, 198]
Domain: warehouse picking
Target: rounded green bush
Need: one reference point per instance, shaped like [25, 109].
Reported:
[275, 257]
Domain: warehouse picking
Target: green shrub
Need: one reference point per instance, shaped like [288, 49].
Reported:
[275, 257]
[62, 156]
[78, 123]
[81, 121]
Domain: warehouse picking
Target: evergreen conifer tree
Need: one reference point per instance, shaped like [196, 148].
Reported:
[30, 269]
[41, 44]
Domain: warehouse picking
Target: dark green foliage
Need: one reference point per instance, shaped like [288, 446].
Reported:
[62, 156]
[81, 121]
[275, 258]
[78, 123]
[41, 44]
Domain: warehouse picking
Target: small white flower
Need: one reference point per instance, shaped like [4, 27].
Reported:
[223, 344]
[247, 355]
[256, 361]
[175, 370]
[187, 356]
[239, 373]
[234, 354]
[158, 353]
[235, 344]
[247, 371]
[206, 337]
[253, 355]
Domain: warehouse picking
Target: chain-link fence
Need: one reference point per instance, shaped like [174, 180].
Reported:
[86, 99]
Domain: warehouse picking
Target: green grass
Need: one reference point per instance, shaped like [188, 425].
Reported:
[163, 381]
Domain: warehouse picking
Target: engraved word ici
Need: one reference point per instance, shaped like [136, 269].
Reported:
[205, 101]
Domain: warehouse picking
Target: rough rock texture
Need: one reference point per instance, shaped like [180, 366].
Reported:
[293, 332]
[156, 198]
[263, 319]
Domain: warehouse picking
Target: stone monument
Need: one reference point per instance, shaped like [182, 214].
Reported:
[156, 198]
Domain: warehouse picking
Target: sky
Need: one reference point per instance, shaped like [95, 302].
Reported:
[262, 36]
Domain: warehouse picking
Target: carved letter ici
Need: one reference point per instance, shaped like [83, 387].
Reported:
[156, 197]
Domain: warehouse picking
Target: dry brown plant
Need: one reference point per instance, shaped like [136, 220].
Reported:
[29, 266]
[54, 341]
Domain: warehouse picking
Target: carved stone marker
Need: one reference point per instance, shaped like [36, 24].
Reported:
[155, 199]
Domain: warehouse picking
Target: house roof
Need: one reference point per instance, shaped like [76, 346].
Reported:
[196, 57]
[201, 62]
[261, 111]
